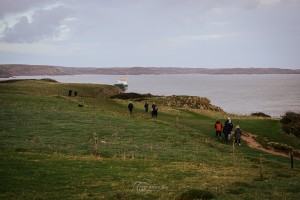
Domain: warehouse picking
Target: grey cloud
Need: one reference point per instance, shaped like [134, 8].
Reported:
[45, 23]
[15, 6]
[18, 32]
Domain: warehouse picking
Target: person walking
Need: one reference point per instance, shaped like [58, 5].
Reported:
[237, 135]
[154, 110]
[130, 107]
[228, 126]
[218, 127]
[146, 106]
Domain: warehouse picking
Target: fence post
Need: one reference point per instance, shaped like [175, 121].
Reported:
[261, 168]
[292, 159]
[96, 144]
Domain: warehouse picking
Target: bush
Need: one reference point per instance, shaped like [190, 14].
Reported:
[192, 102]
[291, 123]
[290, 117]
[260, 114]
[131, 95]
[49, 80]
[196, 194]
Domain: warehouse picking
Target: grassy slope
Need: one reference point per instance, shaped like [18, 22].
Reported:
[48, 150]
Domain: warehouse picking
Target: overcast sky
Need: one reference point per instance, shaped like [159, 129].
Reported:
[151, 33]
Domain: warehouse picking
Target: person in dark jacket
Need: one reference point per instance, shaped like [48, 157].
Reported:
[130, 107]
[146, 106]
[218, 127]
[237, 134]
[154, 110]
[227, 128]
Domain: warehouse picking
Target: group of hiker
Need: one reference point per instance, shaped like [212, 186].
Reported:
[70, 93]
[154, 111]
[227, 131]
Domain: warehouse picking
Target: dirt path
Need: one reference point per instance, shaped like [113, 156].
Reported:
[249, 138]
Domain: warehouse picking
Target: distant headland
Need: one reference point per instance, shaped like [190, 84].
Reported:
[9, 70]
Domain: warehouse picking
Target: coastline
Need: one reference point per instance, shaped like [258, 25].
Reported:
[271, 94]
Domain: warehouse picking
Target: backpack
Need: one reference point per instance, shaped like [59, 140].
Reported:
[219, 127]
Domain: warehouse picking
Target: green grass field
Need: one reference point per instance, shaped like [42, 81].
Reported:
[53, 149]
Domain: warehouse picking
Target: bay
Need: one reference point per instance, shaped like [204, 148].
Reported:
[272, 94]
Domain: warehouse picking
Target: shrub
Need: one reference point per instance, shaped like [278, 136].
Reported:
[49, 80]
[290, 117]
[291, 123]
[130, 95]
[260, 114]
[192, 102]
[196, 194]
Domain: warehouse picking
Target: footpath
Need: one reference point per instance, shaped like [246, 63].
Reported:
[249, 138]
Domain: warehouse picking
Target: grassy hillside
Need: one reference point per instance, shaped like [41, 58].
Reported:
[48, 87]
[53, 149]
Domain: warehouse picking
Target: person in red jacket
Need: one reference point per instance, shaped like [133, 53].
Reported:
[218, 127]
